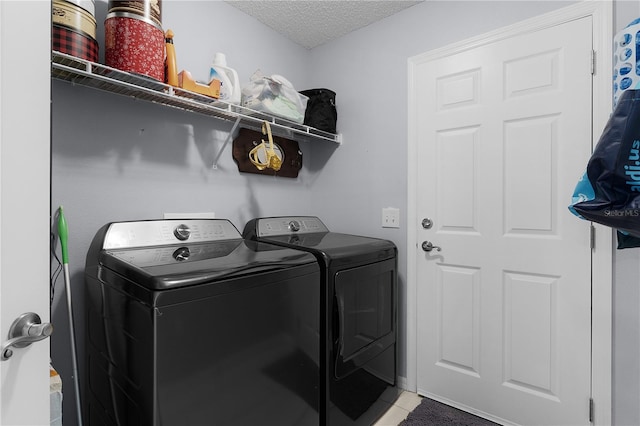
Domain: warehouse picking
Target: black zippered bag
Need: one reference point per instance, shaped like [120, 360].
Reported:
[321, 110]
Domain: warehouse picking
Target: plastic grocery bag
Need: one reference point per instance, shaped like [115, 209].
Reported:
[274, 95]
[609, 191]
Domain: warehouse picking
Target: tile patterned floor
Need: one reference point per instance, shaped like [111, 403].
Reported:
[406, 402]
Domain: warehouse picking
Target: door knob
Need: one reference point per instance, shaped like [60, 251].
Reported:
[428, 246]
[427, 223]
[25, 330]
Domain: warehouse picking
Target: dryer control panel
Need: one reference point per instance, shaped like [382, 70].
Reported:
[149, 233]
[286, 225]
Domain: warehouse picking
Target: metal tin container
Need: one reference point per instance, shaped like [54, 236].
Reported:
[73, 29]
[65, 40]
[150, 9]
[134, 44]
[88, 5]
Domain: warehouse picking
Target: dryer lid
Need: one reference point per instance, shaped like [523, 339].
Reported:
[310, 234]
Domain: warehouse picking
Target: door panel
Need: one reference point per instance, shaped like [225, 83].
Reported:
[530, 152]
[458, 318]
[504, 310]
[530, 354]
[457, 169]
[24, 204]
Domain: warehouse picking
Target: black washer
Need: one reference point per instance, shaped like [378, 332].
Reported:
[189, 324]
[359, 314]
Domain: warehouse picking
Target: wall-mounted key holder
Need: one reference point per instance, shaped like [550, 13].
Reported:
[286, 149]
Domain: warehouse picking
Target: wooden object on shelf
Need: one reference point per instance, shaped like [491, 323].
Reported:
[187, 82]
[170, 62]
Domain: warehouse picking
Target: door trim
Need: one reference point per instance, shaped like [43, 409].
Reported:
[602, 256]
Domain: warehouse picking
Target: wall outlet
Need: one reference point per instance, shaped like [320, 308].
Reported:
[390, 217]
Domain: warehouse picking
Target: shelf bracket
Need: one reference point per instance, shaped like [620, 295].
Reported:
[226, 142]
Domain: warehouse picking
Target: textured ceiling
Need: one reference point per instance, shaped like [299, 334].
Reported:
[312, 23]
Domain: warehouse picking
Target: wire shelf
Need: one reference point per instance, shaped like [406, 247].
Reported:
[90, 74]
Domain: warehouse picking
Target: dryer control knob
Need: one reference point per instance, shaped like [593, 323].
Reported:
[182, 232]
[294, 226]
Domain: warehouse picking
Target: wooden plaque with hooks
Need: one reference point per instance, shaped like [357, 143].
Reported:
[288, 150]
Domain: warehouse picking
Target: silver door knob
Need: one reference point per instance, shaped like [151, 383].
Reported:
[428, 246]
[25, 330]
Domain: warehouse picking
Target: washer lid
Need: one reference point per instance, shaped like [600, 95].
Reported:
[175, 266]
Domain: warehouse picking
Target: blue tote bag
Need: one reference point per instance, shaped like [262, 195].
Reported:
[609, 191]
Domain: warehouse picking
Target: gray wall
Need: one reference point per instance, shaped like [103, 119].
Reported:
[119, 159]
[115, 158]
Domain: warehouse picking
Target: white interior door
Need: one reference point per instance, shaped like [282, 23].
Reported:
[24, 203]
[504, 309]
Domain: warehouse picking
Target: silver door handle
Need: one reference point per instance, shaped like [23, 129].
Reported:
[428, 246]
[25, 330]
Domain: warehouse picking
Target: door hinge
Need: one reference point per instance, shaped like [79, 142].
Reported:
[593, 62]
[590, 410]
[592, 236]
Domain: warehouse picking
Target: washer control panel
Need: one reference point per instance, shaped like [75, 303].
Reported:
[289, 225]
[150, 233]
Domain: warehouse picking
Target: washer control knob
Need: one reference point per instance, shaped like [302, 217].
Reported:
[182, 254]
[294, 226]
[182, 232]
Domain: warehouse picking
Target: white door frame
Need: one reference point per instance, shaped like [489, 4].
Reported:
[602, 269]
